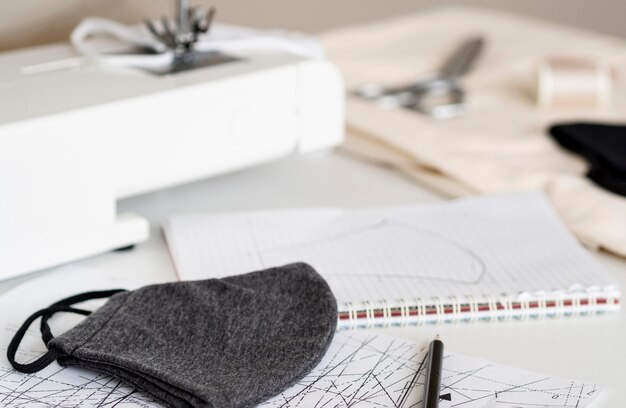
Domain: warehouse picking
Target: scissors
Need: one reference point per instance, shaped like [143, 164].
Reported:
[438, 95]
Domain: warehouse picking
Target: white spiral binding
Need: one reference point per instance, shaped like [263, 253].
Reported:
[524, 309]
[456, 309]
[473, 313]
[420, 307]
[407, 309]
[369, 314]
[507, 310]
[542, 305]
[480, 315]
[414, 303]
[352, 315]
[593, 304]
[560, 306]
[404, 313]
[576, 306]
[386, 313]
[610, 298]
[492, 302]
[421, 311]
[439, 311]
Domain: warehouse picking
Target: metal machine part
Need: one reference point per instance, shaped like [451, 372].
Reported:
[181, 34]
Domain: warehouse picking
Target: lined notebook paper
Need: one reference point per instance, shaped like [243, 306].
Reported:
[479, 258]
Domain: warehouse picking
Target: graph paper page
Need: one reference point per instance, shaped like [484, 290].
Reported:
[505, 244]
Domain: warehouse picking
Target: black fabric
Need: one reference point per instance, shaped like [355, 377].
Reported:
[231, 342]
[604, 146]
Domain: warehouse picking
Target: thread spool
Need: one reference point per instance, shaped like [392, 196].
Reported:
[574, 81]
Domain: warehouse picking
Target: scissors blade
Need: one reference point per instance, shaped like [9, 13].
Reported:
[462, 60]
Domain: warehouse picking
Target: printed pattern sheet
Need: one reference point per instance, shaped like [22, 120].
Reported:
[56, 386]
[370, 370]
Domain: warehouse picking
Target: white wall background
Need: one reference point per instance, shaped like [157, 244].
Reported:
[32, 22]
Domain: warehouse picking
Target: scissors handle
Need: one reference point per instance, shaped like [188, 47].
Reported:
[441, 100]
[398, 97]
[437, 96]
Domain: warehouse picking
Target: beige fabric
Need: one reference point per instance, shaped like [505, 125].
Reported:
[501, 144]
[368, 147]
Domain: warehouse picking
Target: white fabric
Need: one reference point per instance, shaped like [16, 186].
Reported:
[233, 40]
[135, 36]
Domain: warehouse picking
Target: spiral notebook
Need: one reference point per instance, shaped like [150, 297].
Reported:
[494, 257]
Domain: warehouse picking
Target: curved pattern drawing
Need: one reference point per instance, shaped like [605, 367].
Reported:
[388, 248]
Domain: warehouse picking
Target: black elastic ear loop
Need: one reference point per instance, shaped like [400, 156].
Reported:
[63, 305]
[51, 355]
[46, 334]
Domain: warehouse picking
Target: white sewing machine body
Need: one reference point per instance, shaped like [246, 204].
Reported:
[75, 137]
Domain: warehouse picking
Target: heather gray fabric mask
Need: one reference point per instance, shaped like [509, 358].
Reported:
[231, 342]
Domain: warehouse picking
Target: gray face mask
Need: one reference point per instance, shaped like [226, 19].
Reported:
[231, 342]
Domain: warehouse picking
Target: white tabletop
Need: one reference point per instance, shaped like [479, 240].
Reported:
[589, 348]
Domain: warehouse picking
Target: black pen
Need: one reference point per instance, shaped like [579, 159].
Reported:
[433, 375]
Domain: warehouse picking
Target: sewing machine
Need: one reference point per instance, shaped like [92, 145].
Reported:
[76, 136]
